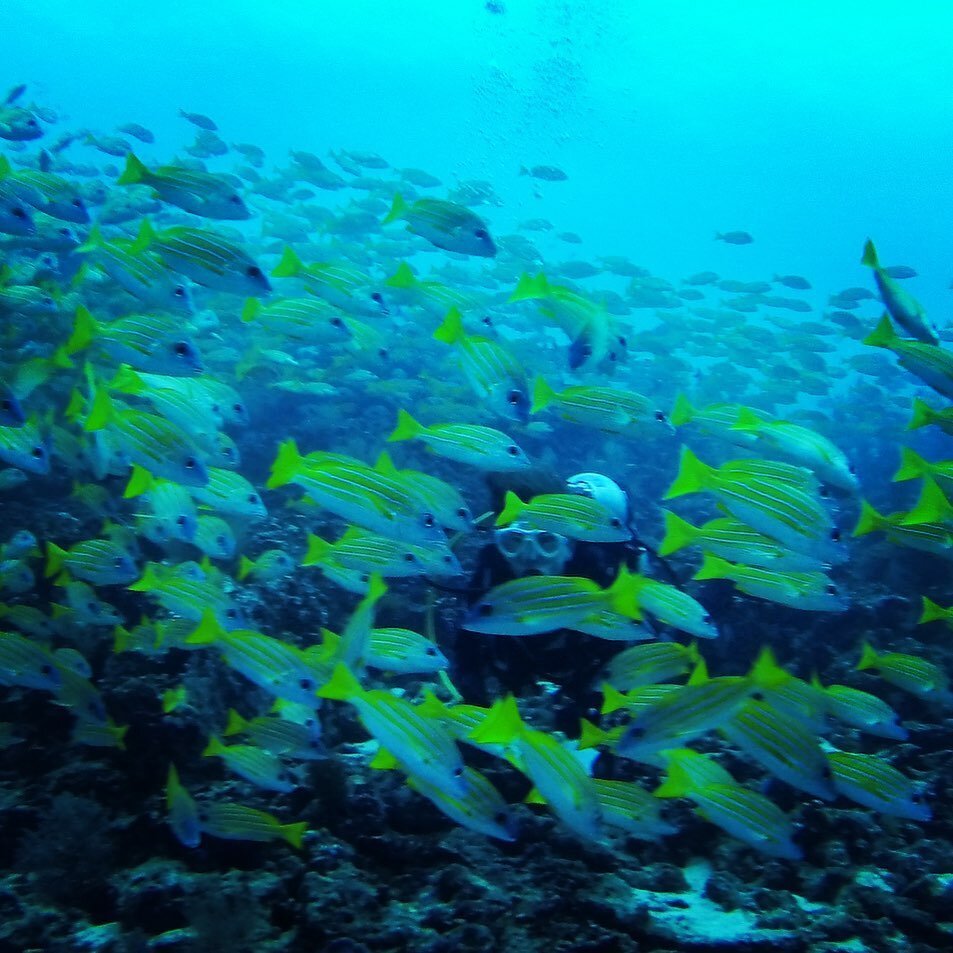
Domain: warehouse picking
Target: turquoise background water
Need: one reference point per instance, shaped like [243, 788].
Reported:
[809, 124]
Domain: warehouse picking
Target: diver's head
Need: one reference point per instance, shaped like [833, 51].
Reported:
[605, 491]
[529, 550]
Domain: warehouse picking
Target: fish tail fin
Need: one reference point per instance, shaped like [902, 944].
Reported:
[134, 173]
[932, 612]
[912, 466]
[932, 506]
[294, 833]
[55, 559]
[145, 237]
[612, 700]
[868, 658]
[923, 414]
[766, 673]
[590, 735]
[512, 507]
[530, 287]
[501, 725]
[214, 748]
[407, 428]
[318, 551]
[287, 463]
[121, 639]
[92, 241]
[678, 781]
[870, 520]
[713, 567]
[236, 724]
[404, 277]
[679, 533]
[207, 632]
[100, 412]
[682, 412]
[397, 209]
[245, 568]
[342, 685]
[250, 310]
[869, 257]
[883, 335]
[692, 476]
[623, 594]
[451, 328]
[289, 265]
[84, 331]
[543, 395]
[140, 481]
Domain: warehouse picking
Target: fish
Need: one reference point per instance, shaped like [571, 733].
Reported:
[548, 173]
[99, 562]
[873, 782]
[182, 811]
[418, 743]
[479, 446]
[231, 821]
[734, 238]
[908, 672]
[537, 604]
[256, 765]
[604, 408]
[201, 193]
[567, 514]
[649, 664]
[900, 304]
[200, 120]
[739, 811]
[445, 225]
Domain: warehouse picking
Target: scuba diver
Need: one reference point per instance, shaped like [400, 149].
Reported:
[487, 666]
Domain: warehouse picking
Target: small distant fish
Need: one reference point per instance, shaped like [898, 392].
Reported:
[793, 281]
[702, 278]
[111, 145]
[900, 272]
[549, 173]
[734, 238]
[197, 119]
[138, 132]
[18, 125]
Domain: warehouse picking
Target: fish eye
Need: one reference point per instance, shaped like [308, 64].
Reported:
[31, 122]
[615, 521]
[623, 341]
[306, 683]
[6, 403]
[448, 559]
[514, 397]
[757, 696]
[500, 817]
[409, 558]
[429, 521]
[852, 470]
[180, 521]
[46, 669]
[336, 322]
[179, 291]
[484, 609]
[383, 353]
[92, 607]
[376, 296]
[77, 203]
[706, 618]
[119, 562]
[18, 213]
[463, 513]
[835, 536]
[190, 463]
[37, 453]
[831, 590]
[481, 233]
[235, 200]
[230, 613]
[238, 408]
[457, 772]
[181, 348]
[431, 651]
[253, 499]
[221, 541]
[253, 271]
[513, 450]
[660, 417]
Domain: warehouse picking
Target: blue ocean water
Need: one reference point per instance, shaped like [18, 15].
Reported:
[812, 126]
[806, 124]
